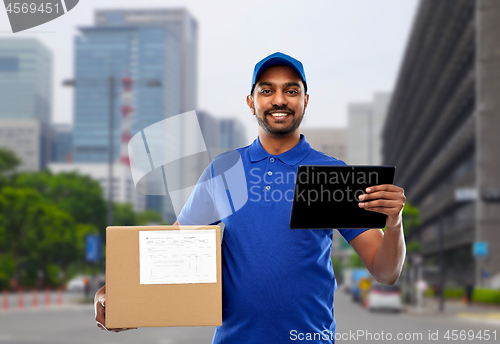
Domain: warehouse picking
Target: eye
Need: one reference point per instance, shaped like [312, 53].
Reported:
[293, 92]
[265, 91]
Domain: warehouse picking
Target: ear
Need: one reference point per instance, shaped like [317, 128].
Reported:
[306, 101]
[250, 104]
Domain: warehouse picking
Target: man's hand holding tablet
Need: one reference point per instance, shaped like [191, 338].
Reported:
[386, 199]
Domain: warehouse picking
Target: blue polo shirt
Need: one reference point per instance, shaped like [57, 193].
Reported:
[277, 283]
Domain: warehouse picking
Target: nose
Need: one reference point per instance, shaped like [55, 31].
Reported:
[279, 99]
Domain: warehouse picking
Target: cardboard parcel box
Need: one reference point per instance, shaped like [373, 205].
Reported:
[163, 276]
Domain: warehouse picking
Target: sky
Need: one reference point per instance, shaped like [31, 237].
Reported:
[349, 49]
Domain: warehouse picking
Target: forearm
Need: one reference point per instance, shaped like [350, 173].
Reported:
[389, 258]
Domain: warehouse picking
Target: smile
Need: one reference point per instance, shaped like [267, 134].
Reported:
[279, 114]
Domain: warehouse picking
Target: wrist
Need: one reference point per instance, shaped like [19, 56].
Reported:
[395, 227]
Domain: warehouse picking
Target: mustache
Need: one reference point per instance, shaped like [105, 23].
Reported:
[279, 108]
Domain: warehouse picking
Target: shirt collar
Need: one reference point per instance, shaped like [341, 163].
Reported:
[290, 157]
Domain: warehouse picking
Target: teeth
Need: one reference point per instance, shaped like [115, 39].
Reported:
[279, 114]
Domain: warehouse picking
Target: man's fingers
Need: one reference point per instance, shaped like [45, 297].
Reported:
[101, 307]
[389, 211]
[387, 194]
[384, 187]
[101, 326]
[380, 203]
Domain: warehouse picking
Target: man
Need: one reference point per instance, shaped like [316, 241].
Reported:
[278, 283]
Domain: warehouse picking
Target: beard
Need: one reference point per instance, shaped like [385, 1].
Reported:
[264, 123]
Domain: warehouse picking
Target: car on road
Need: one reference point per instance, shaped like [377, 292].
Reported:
[384, 297]
[77, 284]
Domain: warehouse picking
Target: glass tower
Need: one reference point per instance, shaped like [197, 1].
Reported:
[102, 53]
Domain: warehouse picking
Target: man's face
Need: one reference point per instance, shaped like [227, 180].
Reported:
[279, 100]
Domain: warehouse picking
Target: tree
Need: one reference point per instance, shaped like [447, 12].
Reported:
[148, 217]
[80, 196]
[123, 214]
[411, 218]
[34, 232]
[8, 161]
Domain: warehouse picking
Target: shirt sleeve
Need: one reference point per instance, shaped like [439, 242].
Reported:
[200, 208]
[350, 234]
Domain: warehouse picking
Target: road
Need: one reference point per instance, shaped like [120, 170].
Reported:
[416, 327]
[74, 324]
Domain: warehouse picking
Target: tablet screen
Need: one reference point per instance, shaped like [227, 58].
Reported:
[327, 197]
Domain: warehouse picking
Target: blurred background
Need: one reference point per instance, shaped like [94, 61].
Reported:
[413, 84]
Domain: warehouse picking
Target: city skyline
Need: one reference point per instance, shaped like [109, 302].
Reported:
[331, 48]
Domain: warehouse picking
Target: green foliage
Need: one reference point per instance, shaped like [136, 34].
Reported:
[123, 215]
[80, 196]
[7, 270]
[486, 296]
[45, 219]
[148, 217]
[8, 161]
[338, 269]
[449, 293]
[413, 246]
[35, 233]
[355, 261]
[454, 293]
[411, 218]
[53, 272]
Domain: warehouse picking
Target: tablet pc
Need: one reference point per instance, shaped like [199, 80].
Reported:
[326, 197]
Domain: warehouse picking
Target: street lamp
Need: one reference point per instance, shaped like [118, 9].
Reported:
[111, 80]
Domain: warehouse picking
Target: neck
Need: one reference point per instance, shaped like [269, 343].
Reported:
[276, 145]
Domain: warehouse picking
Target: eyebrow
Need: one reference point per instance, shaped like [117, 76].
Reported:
[293, 83]
[288, 84]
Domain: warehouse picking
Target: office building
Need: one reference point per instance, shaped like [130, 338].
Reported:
[441, 133]
[148, 55]
[210, 129]
[26, 100]
[153, 47]
[232, 133]
[25, 80]
[25, 138]
[365, 123]
[182, 25]
[331, 141]
[62, 143]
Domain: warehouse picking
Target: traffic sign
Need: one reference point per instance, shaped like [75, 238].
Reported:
[480, 249]
[93, 248]
[466, 194]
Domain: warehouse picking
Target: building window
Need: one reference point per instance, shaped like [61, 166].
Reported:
[9, 64]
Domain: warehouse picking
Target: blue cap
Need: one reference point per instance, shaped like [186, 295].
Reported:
[278, 59]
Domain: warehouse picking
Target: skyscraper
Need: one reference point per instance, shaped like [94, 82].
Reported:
[62, 143]
[25, 80]
[26, 100]
[331, 141]
[232, 133]
[365, 123]
[157, 50]
[145, 54]
[182, 25]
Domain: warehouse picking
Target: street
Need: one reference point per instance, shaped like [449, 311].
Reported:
[73, 323]
[412, 325]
